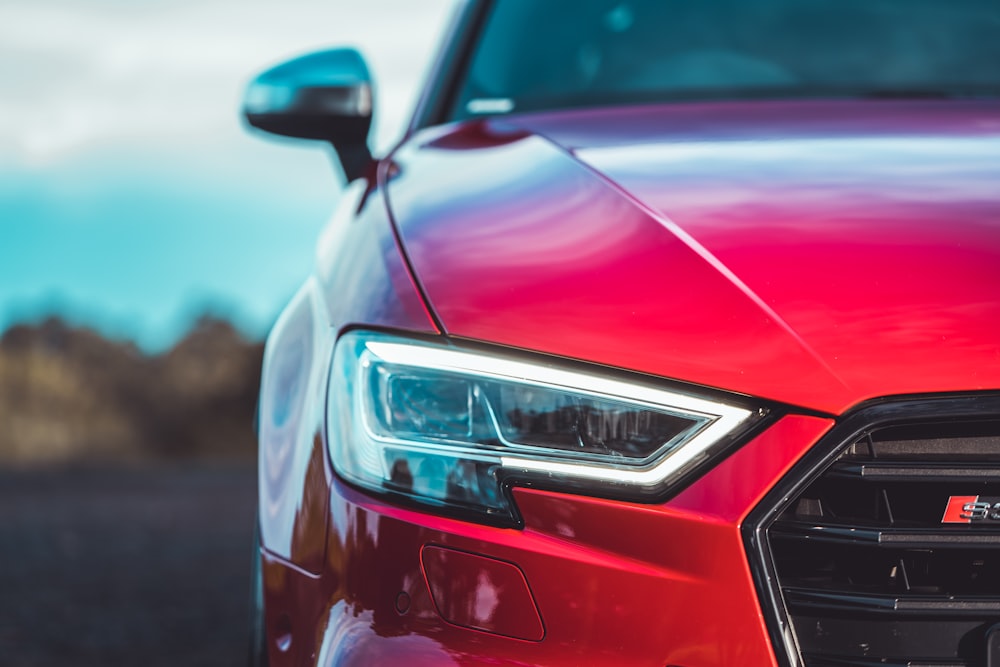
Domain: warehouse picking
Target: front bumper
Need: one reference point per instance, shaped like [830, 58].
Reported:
[609, 582]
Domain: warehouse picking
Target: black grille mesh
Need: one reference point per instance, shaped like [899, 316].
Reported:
[868, 572]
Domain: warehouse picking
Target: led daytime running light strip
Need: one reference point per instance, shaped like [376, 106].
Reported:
[723, 418]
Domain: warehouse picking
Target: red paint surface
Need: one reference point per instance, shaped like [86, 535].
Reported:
[813, 253]
[364, 277]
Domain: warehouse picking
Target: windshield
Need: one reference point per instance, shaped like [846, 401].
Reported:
[545, 54]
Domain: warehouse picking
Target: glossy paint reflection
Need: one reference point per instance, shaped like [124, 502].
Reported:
[293, 384]
[519, 244]
[350, 640]
[807, 252]
[361, 270]
[882, 253]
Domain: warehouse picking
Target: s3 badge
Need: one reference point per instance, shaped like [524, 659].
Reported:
[972, 509]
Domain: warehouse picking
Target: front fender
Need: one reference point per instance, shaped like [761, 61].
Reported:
[360, 278]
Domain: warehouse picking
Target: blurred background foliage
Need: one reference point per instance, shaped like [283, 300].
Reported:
[69, 393]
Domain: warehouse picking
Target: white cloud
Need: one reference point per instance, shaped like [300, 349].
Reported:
[84, 75]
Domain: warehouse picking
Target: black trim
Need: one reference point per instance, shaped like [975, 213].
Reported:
[898, 472]
[450, 66]
[382, 182]
[882, 537]
[879, 413]
[834, 601]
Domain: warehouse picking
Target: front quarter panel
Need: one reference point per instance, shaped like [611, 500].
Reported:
[360, 277]
[292, 472]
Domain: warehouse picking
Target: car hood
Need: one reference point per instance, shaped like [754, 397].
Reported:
[818, 254]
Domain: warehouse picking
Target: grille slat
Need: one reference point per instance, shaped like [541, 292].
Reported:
[893, 639]
[896, 538]
[825, 661]
[882, 560]
[913, 472]
[836, 601]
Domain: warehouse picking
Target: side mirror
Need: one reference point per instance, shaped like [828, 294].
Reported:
[325, 95]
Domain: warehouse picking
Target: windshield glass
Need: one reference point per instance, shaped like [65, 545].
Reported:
[545, 54]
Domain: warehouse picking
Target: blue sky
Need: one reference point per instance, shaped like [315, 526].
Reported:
[131, 199]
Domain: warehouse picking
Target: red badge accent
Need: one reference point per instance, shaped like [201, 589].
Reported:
[955, 512]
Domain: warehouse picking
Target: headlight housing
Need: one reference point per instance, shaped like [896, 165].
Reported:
[454, 427]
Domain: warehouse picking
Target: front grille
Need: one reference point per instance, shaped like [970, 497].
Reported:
[863, 570]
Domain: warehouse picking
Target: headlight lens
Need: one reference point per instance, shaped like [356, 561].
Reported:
[453, 427]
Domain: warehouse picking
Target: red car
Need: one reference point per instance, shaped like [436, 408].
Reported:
[669, 335]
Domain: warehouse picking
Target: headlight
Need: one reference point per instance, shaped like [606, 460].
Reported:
[455, 427]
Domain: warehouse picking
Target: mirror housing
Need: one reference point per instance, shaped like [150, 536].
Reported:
[325, 95]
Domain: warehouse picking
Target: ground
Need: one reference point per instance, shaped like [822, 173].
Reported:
[126, 566]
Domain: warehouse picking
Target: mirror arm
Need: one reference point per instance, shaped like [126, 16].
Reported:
[355, 159]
